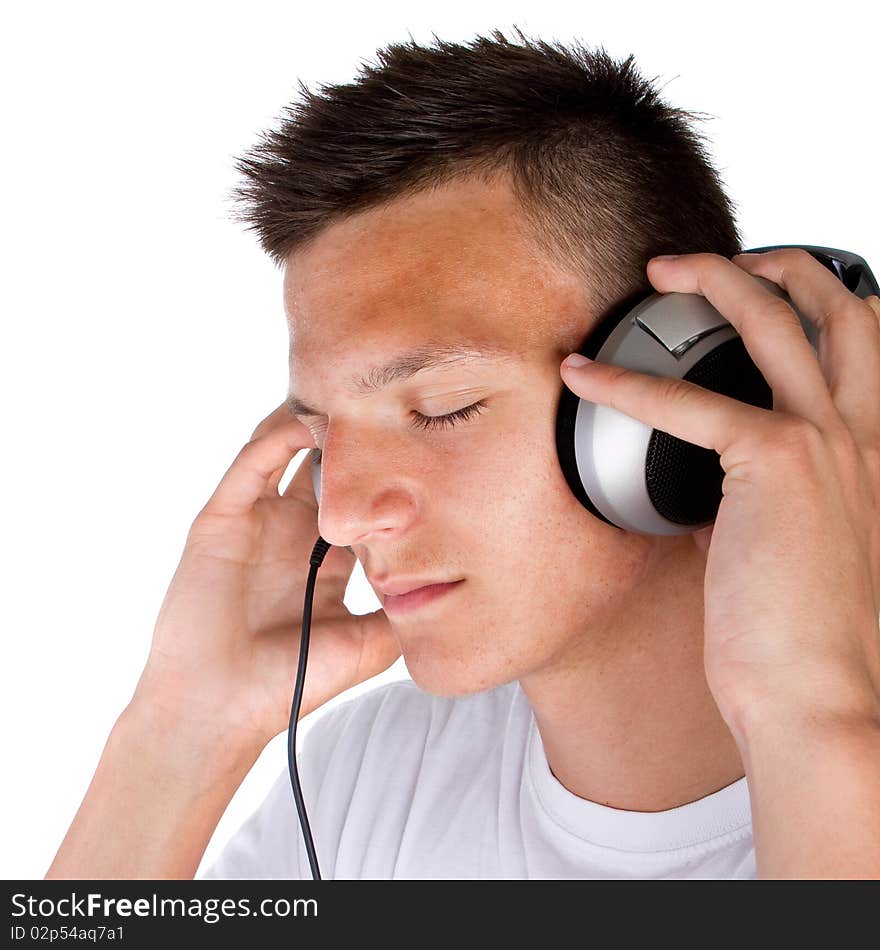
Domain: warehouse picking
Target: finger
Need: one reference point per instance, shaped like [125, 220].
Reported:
[874, 303]
[703, 538]
[246, 480]
[301, 486]
[676, 406]
[769, 327]
[276, 417]
[849, 333]
[380, 647]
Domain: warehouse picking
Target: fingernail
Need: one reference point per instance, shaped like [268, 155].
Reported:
[666, 257]
[576, 360]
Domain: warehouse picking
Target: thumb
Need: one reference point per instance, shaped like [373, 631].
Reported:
[379, 647]
[703, 538]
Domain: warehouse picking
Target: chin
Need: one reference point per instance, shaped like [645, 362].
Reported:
[451, 679]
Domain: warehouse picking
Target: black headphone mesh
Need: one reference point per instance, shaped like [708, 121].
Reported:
[684, 480]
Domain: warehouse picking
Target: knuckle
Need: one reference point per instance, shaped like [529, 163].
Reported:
[799, 435]
[710, 270]
[675, 391]
[615, 373]
[869, 310]
[266, 426]
[854, 310]
[860, 308]
[277, 417]
[712, 258]
[714, 262]
[775, 310]
[844, 446]
[797, 257]
[780, 309]
[247, 449]
[792, 260]
[197, 527]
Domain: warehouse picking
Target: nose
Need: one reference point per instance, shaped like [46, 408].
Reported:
[355, 503]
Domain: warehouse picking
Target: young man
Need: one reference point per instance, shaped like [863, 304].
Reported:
[585, 702]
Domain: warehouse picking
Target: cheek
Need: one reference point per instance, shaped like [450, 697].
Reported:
[515, 491]
[535, 524]
[509, 499]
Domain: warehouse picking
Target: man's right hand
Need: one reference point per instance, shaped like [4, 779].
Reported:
[226, 643]
[219, 679]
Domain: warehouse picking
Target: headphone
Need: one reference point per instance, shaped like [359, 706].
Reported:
[642, 479]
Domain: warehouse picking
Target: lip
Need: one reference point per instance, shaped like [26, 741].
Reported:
[402, 585]
[420, 597]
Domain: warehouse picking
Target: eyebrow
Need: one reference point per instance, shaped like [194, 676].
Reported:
[407, 364]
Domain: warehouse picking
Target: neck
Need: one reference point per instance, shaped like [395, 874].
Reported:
[626, 716]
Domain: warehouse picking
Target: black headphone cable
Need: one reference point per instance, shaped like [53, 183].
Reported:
[318, 553]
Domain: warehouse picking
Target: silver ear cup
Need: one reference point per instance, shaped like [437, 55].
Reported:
[634, 476]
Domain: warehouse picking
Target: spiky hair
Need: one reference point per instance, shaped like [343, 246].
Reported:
[606, 173]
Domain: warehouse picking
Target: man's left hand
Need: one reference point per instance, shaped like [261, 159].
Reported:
[792, 582]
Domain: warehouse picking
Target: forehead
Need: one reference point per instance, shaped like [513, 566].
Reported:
[455, 263]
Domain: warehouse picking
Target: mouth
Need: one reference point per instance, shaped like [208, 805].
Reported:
[420, 597]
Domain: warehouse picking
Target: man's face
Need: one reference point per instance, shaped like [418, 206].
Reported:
[485, 500]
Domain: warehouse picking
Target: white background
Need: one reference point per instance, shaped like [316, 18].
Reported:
[143, 336]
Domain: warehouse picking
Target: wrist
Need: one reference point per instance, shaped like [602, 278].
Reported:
[189, 741]
[160, 788]
[769, 723]
[819, 776]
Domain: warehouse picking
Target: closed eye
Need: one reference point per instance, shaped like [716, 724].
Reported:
[450, 419]
[437, 422]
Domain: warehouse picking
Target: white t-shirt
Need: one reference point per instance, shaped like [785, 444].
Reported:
[402, 784]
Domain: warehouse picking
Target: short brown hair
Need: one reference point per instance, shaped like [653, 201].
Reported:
[607, 174]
